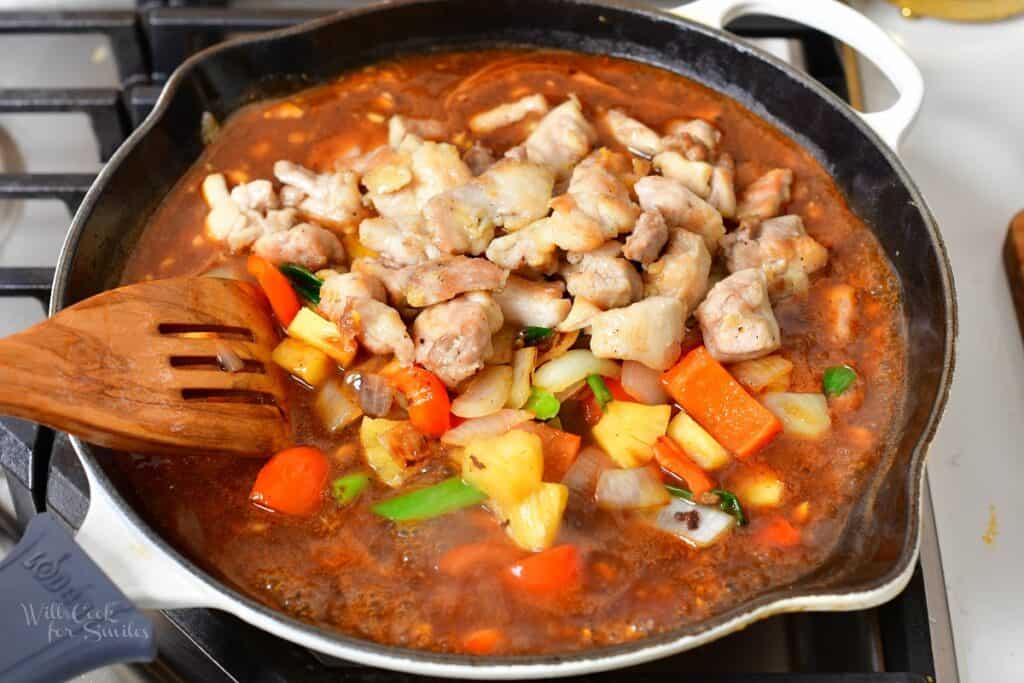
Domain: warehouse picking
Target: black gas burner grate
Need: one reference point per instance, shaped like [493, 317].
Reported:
[890, 644]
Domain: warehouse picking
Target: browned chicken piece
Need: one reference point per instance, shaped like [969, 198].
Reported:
[436, 281]
[696, 139]
[355, 301]
[681, 208]
[236, 224]
[781, 248]
[331, 199]
[736, 318]
[526, 303]
[596, 188]
[437, 167]
[307, 245]
[765, 197]
[694, 175]
[459, 221]
[603, 277]
[681, 272]
[518, 192]
[648, 238]
[507, 114]
[257, 195]
[632, 134]
[478, 158]
[399, 244]
[561, 139]
[531, 249]
[723, 186]
[453, 339]
[399, 127]
[649, 332]
[510, 194]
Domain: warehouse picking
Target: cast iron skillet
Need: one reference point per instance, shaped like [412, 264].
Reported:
[877, 552]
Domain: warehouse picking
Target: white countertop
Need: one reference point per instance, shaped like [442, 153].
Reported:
[966, 152]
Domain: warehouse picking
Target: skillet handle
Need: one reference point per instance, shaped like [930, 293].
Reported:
[59, 615]
[145, 570]
[845, 24]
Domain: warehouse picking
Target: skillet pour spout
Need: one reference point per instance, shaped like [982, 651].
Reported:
[877, 551]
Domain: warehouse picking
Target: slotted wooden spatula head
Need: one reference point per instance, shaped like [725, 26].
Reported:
[142, 368]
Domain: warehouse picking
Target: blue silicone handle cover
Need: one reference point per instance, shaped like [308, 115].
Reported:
[59, 614]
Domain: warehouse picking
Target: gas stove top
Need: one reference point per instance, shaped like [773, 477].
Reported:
[143, 45]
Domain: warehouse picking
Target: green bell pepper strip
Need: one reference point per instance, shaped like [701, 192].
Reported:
[837, 379]
[727, 501]
[602, 394]
[306, 284]
[543, 404]
[347, 488]
[432, 501]
[532, 335]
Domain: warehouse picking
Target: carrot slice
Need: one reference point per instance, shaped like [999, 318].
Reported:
[619, 392]
[776, 531]
[482, 641]
[275, 285]
[720, 404]
[675, 460]
[292, 482]
[430, 408]
[547, 572]
[560, 449]
[465, 560]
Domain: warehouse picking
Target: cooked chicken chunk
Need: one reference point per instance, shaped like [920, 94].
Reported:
[736, 318]
[518, 191]
[401, 126]
[681, 272]
[632, 134]
[603, 277]
[437, 167]
[649, 332]
[533, 303]
[681, 208]
[723, 186]
[765, 197]
[436, 281]
[354, 301]
[454, 338]
[236, 224]
[398, 244]
[561, 139]
[507, 114]
[257, 195]
[648, 238]
[331, 199]
[307, 245]
[781, 248]
[695, 175]
[696, 139]
[531, 248]
[598, 191]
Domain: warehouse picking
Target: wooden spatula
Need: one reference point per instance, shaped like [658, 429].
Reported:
[141, 369]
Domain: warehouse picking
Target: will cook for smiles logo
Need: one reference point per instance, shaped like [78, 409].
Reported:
[72, 614]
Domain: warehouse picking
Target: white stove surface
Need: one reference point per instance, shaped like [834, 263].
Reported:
[967, 154]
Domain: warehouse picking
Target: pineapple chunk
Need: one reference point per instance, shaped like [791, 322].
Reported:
[388, 468]
[533, 522]
[758, 487]
[309, 364]
[804, 416]
[697, 443]
[507, 468]
[627, 431]
[324, 335]
[770, 373]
